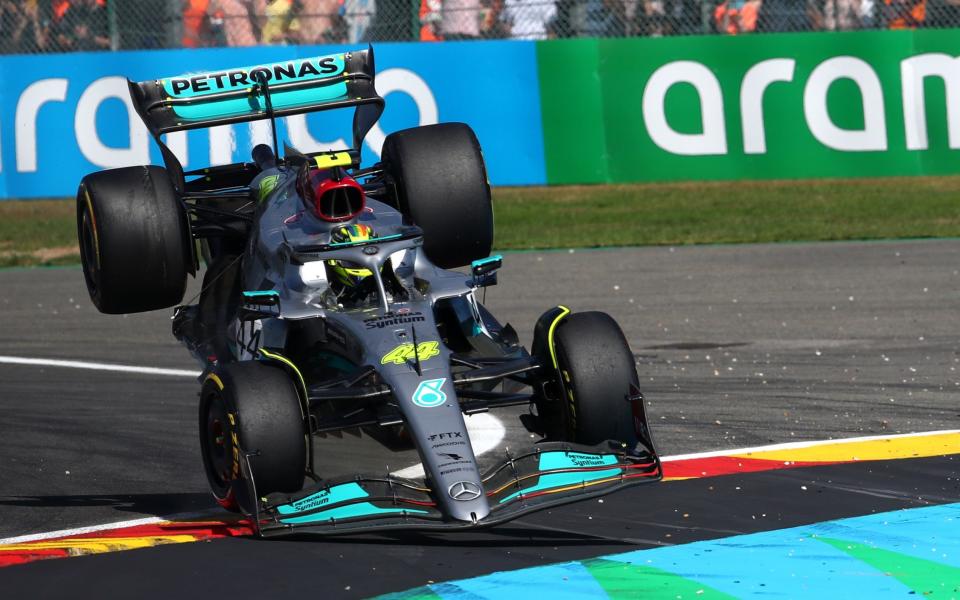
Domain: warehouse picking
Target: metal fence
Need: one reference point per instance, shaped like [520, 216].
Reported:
[34, 26]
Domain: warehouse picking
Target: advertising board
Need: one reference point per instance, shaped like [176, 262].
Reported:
[855, 104]
[62, 116]
[777, 106]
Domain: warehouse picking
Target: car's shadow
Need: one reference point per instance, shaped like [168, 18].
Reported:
[518, 535]
[145, 504]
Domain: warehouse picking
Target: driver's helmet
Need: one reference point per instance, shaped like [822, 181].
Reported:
[349, 274]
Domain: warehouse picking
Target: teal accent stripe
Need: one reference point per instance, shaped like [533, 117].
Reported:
[482, 261]
[371, 241]
[787, 563]
[255, 294]
[568, 460]
[362, 509]
[339, 493]
[304, 70]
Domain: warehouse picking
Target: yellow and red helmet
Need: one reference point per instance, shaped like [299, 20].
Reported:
[347, 273]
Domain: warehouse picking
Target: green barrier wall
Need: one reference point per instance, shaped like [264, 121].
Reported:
[858, 104]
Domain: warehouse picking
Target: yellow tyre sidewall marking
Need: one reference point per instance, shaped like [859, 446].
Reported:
[216, 380]
[234, 441]
[550, 332]
[93, 225]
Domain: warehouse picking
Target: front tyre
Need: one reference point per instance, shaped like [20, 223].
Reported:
[597, 368]
[250, 407]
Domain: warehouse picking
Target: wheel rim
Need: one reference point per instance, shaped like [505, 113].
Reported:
[216, 446]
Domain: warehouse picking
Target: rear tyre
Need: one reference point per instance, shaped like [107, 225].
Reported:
[254, 408]
[134, 240]
[441, 184]
[597, 368]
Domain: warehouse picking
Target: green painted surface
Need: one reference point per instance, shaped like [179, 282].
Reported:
[929, 579]
[571, 105]
[625, 580]
[596, 129]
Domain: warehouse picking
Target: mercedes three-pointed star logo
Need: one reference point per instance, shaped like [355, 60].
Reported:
[464, 491]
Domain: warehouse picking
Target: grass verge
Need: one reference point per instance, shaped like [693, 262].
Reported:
[38, 232]
[43, 232]
[727, 212]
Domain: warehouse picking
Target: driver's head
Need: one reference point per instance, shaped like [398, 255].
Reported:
[349, 274]
[330, 194]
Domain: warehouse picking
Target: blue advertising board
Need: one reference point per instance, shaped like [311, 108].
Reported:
[65, 115]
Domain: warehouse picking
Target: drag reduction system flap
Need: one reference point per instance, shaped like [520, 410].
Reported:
[197, 100]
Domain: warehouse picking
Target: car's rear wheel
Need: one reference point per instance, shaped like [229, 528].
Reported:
[441, 185]
[134, 240]
[251, 408]
[597, 368]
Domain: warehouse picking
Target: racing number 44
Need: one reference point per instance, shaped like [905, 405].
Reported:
[404, 353]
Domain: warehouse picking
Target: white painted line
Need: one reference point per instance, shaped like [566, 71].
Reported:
[809, 444]
[214, 512]
[62, 533]
[485, 432]
[37, 537]
[95, 366]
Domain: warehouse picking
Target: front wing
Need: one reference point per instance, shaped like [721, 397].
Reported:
[549, 474]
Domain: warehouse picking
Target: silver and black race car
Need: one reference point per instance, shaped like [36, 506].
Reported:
[344, 299]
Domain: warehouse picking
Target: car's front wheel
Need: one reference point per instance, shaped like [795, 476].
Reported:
[251, 409]
[597, 370]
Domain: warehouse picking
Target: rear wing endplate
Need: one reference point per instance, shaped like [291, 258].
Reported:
[199, 100]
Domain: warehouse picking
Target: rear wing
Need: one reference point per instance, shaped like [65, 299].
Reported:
[198, 100]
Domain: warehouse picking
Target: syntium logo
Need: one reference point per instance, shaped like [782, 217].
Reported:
[393, 319]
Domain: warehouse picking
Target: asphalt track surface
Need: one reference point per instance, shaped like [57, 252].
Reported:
[736, 346]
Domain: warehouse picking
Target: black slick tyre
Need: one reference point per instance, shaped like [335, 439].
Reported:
[134, 240]
[597, 368]
[251, 407]
[441, 185]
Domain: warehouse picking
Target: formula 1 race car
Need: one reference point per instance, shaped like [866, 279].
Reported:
[343, 299]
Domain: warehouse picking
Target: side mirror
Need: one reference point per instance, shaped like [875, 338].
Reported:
[259, 304]
[485, 270]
